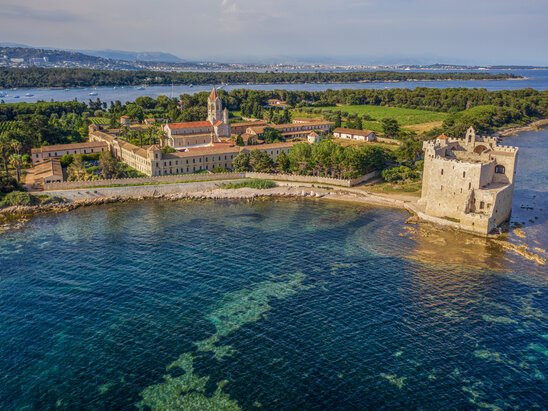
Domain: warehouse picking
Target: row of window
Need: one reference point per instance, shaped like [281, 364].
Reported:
[182, 170]
[75, 152]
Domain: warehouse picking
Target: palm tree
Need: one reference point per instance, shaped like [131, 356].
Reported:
[16, 146]
[5, 144]
[16, 160]
[162, 135]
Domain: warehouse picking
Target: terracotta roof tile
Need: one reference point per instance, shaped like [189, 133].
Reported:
[190, 124]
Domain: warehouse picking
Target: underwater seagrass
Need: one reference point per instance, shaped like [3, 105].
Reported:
[233, 311]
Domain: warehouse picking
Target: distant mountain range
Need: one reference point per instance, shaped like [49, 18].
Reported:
[156, 56]
[152, 56]
[17, 55]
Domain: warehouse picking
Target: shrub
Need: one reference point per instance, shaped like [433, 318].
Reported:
[52, 200]
[168, 149]
[253, 183]
[400, 173]
[19, 198]
[8, 183]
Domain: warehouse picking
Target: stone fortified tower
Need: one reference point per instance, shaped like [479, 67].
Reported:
[469, 181]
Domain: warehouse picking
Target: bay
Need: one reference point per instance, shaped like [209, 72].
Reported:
[290, 304]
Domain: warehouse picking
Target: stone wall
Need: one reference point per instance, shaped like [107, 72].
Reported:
[67, 185]
[313, 179]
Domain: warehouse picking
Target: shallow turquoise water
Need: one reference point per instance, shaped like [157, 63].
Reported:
[296, 304]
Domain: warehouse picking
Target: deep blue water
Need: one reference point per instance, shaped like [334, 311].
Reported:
[536, 79]
[293, 304]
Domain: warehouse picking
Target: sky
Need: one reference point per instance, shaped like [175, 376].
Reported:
[324, 31]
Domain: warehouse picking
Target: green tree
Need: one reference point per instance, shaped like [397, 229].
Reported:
[135, 112]
[283, 162]
[17, 162]
[241, 162]
[77, 169]
[240, 141]
[110, 167]
[271, 135]
[5, 145]
[338, 120]
[260, 161]
[390, 127]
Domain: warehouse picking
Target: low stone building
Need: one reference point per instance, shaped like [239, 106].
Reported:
[274, 102]
[313, 138]
[354, 134]
[293, 130]
[240, 128]
[469, 181]
[300, 120]
[44, 172]
[59, 150]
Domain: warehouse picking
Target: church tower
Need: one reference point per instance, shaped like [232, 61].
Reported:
[217, 116]
[214, 107]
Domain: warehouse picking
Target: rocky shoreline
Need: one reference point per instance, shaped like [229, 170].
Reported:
[15, 216]
[534, 126]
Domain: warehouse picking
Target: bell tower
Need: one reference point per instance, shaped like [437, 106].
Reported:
[214, 107]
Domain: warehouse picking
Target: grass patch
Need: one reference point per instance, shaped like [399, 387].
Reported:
[22, 198]
[404, 116]
[424, 127]
[295, 113]
[347, 142]
[253, 183]
[145, 184]
[412, 188]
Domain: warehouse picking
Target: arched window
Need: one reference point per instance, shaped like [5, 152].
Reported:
[442, 171]
[463, 174]
[499, 169]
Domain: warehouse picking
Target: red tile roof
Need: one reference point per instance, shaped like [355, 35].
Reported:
[442, 137]
[213, 96]
[190, 124]
[218, 123]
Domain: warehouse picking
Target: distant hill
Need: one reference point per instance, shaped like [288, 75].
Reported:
[58, 58]
[120, 55]
[155, 56]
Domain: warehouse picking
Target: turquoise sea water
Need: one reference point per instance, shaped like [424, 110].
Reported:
[293, 304]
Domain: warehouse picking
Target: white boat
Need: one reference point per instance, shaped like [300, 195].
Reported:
[15, 96]
[29, 95]
[190, 85]
[93, 93]
[141, 88]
